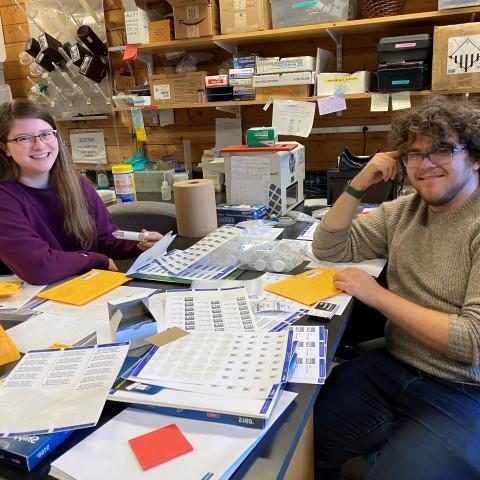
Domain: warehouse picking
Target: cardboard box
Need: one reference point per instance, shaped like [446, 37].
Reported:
[284, 79]
[455, 51]
[288, 92]
[160, 31]
[238, 16]
[262, 136]
[195, 18]
[329, 83]
[177, 88]
[285, 65]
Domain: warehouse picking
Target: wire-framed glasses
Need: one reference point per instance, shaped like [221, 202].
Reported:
[442, 156]
[25, 141]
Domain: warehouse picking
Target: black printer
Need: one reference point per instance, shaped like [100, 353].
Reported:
[404, 63]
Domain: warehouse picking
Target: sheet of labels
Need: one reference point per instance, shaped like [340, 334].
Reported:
[194, 272]
[308, 231]
[311, 350]
[220, 358]
[183, 259]
[217, 310]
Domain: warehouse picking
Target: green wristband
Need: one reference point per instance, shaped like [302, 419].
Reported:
[358, 194]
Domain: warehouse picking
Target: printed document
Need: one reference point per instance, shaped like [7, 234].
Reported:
[250, 182]
[293, 117]
[59, 389]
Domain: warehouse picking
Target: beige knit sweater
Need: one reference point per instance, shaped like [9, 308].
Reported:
[434, 261]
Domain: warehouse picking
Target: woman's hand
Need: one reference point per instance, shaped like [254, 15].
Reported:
[149, 240]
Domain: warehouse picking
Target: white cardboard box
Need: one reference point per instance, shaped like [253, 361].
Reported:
[329, 83]
[284, 65]
[284, 79]
[136, 23]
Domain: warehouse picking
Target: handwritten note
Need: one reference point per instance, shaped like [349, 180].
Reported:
[401, 100]
[293, 117]
[379, 102]
[335, 103]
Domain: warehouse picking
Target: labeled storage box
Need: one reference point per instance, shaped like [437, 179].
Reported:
[243, 16]
[195, 18]
[329, 83]
[405, 48]
[176, 88]
[446, 4]
[270, 65]
[456, 57]
[289, 13]
[231, 214]
[262, 136]
[284, 79]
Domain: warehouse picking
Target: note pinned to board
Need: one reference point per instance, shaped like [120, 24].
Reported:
[293, 117]
[307, 287]
[379, 102]
[332, 104]
[401, 100]
[159, 446]
[86, 287]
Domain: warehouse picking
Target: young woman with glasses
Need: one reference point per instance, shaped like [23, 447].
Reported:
[52, 223]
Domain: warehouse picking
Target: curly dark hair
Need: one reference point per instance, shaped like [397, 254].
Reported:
[439, 117]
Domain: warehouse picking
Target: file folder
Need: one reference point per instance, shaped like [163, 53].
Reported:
[86, 287]
[308, 287]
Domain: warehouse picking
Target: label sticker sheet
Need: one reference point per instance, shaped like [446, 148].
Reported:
[210, 310]
[197, 271]
[220, 358]
[59, 389]
[183, 259]
[308, 231]
[311, 351]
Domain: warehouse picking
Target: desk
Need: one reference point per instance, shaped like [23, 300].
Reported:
[286, 451]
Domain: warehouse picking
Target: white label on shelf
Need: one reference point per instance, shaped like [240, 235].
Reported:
[463, 55]
[161, 92]
[379, 102]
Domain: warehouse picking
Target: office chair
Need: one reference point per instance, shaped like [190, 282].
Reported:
[155, 216]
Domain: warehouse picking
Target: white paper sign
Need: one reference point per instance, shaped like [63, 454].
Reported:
[88, 146]
[401, 100]
[250, 180]
[335, 103]
[379, 102]
[228, 131]
[463, 54]
[293, 118]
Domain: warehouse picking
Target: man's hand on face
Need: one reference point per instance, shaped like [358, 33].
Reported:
[383, 166]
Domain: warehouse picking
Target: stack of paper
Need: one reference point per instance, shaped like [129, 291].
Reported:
[224, 377]
[183, 266]
[217, 449]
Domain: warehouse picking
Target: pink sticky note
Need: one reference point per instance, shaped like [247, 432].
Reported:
[130, 52]
[159, 446]
[335, 103]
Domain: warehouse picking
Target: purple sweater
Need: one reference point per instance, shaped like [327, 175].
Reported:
[33, 241]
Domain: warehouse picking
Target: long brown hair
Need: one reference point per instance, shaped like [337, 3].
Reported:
[76, 218]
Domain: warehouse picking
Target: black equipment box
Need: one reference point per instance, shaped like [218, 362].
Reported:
[405, 48]
[394, 77]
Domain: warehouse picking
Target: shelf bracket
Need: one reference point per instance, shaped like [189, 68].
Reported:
[232, 49]
[148, 59]
[237, 111]
[338, 39]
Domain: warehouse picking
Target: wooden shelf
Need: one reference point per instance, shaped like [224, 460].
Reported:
[243, 103]
[428, 19]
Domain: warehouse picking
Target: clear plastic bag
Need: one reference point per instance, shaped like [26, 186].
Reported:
[261, 255]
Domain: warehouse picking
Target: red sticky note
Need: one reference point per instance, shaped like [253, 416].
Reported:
[159, 446]
[130, 52]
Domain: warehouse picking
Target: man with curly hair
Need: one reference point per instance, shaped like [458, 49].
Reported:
[416, 402]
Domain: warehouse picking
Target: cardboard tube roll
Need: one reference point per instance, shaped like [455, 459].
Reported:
[195, 207]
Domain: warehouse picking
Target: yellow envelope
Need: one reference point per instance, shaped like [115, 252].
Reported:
[86, 287]
[8, 288]
[8, 350]
[308, 287]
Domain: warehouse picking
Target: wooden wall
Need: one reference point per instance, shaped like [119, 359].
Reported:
[198, 125]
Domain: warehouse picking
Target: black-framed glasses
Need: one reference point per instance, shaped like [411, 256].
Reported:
[442, 156]
[26, 141]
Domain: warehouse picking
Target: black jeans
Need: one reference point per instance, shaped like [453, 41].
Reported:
[422, 426]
